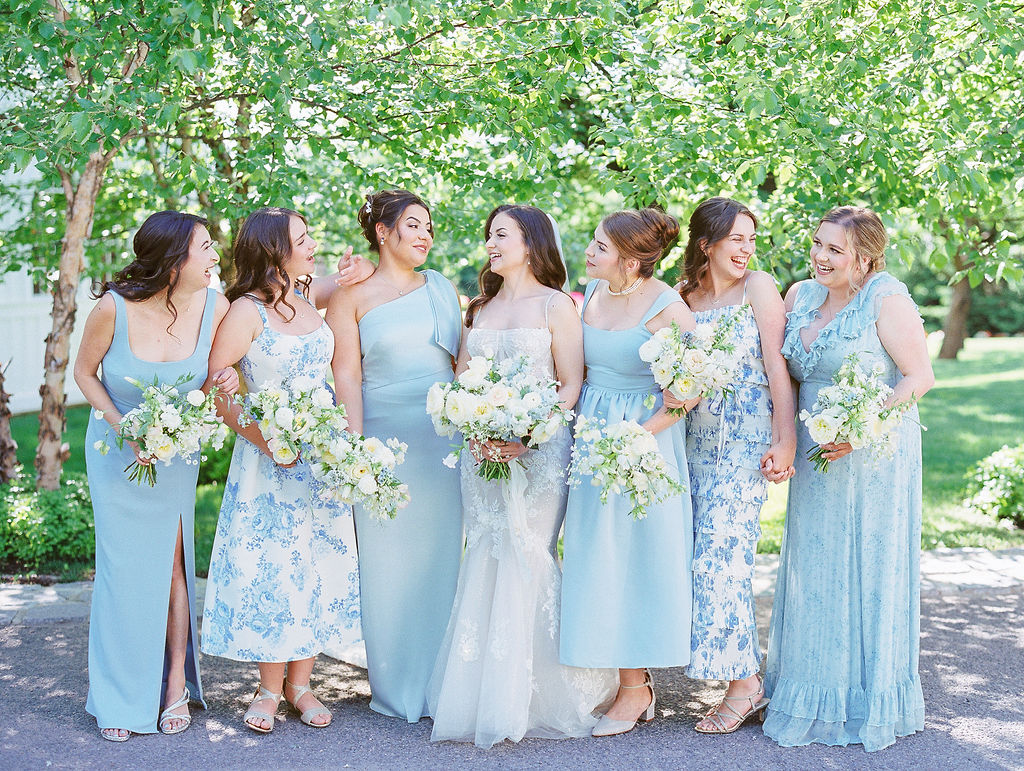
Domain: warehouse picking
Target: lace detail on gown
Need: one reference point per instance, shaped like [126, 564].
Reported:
[498, 675]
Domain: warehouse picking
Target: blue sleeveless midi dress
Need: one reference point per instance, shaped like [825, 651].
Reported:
[725, 439]
[136, 529]
[626, 585]
[409, 566]
[283, 582]
[844, 639]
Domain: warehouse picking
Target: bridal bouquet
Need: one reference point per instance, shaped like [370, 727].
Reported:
[361, 470]
[496, 400]
[622, 458]
[294, 417]
[167, 425]
[853, 410]
[696, 363]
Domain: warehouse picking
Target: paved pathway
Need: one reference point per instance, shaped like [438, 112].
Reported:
[943, 572]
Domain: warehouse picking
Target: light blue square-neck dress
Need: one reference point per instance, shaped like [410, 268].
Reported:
[626, 584]
[136, 529]
[844, 638]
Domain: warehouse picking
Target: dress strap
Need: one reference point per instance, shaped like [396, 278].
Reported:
[547, 308]
[588, 292]
[661, 302]
[260, 306]
[206, 325]
[743, 299]
[120, 321]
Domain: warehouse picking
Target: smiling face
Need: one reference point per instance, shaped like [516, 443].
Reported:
[506, 247]
[603, 258]
[833, 261]
[410, 240]
[728, 257]
[202, 256]
[301, 262]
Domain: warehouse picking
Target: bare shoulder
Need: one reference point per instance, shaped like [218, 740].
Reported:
[793, 292]
[761, 282]
[104, 308]
[561, 308]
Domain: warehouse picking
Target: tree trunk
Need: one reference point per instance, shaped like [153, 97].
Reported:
[955, 328]
[8, 447]
[81, 202]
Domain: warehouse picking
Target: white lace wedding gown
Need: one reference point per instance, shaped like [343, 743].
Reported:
[497, 675]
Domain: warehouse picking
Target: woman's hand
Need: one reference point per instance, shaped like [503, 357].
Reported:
[502, 452]
[353, 269]
[225, 380]
[141, 458]
[672, 403]
[777, 462]
[835, 451]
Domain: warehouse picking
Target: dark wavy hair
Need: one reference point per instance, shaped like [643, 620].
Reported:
[161, 247]
[386, 207]
[645, 235]
[710, 222]
[541, 246]
[262, 247]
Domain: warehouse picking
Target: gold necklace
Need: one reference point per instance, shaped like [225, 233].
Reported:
[628, 290]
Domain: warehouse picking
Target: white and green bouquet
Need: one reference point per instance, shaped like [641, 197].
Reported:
[294, 417]
[500, 401]
[361, 470]
[853, 410]
[697, 363]
[167, 425]
[622, 459]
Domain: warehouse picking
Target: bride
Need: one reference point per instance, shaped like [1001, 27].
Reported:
[497, 675]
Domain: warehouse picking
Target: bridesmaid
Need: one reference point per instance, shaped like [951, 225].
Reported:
[395, 335]
[734, 446]
[498, 676]
[626, 584]
[154, 321]
[282, 583]
[844, 639]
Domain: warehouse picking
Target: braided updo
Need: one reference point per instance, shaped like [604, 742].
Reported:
[385, 207]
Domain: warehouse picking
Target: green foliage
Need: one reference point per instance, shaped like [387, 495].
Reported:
[995, 486]
[214, 469]
[39, 527]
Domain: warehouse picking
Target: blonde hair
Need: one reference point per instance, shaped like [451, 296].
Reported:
[865, 235]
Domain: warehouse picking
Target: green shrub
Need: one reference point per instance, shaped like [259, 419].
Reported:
[46, 526]
[995, 486]
[214, 470]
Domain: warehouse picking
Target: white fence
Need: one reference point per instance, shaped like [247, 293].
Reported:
[24, 324]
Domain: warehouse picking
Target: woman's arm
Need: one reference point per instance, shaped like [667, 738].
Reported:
[352, 270]
[347, 362]
[566, 348]
[770, 315]
[240, 326]
[96, 339]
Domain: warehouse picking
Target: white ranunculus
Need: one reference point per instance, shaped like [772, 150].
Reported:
[367, 485]
[284, 416]
[170, 419]
[322, 398]
[195, 397]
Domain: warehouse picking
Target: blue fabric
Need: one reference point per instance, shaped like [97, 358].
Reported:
[626, 584]
[844, 639]
[725, 439]
[283, 582]
[409, 566]
[136, 529]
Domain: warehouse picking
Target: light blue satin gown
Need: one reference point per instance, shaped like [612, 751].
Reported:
[409, 566]
[136, 530]
[844, 639]
[626, 584]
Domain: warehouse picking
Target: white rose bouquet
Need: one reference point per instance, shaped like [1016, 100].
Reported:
[696, 363]
[356, 469]
[622, 458]
[853, 410]
[167, 424]
[501, 401]
[294, 417]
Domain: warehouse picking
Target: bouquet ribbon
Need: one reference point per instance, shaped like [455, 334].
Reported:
[514, 493]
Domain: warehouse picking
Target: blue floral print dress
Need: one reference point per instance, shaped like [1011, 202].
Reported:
[284, 584]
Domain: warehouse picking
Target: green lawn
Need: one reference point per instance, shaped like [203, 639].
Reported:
[973, 410]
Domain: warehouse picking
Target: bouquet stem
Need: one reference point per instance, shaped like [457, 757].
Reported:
[141, 474]
[815, 456]
[492, 469]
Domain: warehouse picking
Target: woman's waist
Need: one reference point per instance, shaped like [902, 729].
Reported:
[621, 384]
[407, 385]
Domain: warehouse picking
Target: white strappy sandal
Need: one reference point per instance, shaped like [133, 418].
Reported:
[307, 716]
[262, 694]
[166, 716]
[756, 705]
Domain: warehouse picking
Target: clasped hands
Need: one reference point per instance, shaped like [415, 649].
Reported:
[496, 450]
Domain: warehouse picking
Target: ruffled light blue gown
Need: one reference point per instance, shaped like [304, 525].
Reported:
[409, 566]
[844, 639]
[136, 529]
[626, 584]
[283, 580]
[725, 439]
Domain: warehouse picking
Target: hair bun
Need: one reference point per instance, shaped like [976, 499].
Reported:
[385, 206]
[664, 224]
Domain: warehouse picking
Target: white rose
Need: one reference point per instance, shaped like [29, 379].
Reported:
[195, 397]
[284, 416]
[662, 372]
[650, 350]
[684, 388]
[473, 379]
[367, 485]
[322, 398]
[822, 428]
[457, 408]
[170, 419]
[499, 395]
[435, 399]
[531, 400]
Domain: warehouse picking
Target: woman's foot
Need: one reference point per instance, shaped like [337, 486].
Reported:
[260, 715]
[311, 710]
[742, 699]
[115, 734]
[634, 702]
[631, 704]
[176, 718]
